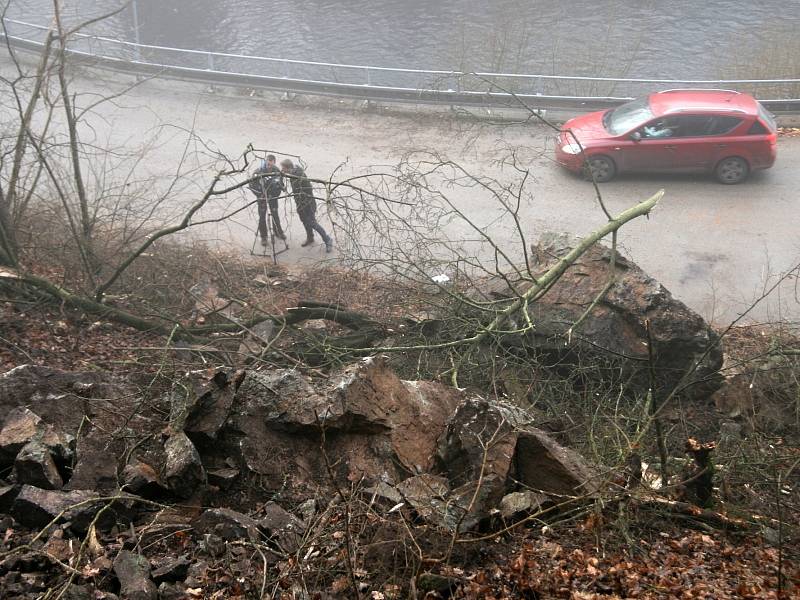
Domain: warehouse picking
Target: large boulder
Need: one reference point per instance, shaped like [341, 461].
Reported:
[383, 427]
[687, 353]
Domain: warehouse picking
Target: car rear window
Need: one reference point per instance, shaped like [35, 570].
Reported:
[720, 125]
[767, 117]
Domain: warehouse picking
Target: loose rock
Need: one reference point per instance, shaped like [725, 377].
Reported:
[495, 444]
[209, 405]
[282, 527]
[544, 465]
[222, 478]
[96, 465]
[35, 466]
[518, 505]
[171, 591]
[78, 592]
[133, 572]
[35, 508]
[21, 426]
[173, 570]
[141, 479]
[7, 495]
[183, 471]
[228, 525]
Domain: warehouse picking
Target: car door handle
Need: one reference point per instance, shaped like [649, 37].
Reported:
[722, 145]
[670, 147]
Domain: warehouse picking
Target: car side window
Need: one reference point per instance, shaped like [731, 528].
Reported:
[692, 125]
[659, 128]
[720, 125]
[757, 128]
[678, 126]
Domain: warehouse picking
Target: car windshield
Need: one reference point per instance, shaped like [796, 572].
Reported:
[628, 116]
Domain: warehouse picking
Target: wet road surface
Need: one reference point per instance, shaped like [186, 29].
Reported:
[715, 247]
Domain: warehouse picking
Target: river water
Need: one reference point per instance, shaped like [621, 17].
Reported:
[620, 38]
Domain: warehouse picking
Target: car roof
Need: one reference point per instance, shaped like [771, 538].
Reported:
[677, 101]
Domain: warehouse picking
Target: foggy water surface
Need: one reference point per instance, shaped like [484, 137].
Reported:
[678, 39]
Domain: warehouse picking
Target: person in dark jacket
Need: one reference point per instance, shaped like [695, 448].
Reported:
[303, 193]
[268, 188]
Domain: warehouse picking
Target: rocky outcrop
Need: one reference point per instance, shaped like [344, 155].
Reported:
[261, 469]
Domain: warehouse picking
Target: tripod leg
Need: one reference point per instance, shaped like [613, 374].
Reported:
[271, 234]
[255, 242]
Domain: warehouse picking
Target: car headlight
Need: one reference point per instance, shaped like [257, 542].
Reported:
[571, 149]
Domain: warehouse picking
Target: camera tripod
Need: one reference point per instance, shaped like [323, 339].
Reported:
[271, 241]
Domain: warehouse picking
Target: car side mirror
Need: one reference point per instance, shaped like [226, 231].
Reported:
[636, 136]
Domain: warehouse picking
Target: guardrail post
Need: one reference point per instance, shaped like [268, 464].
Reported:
[210, 68]
[369, 76]
[137, 50]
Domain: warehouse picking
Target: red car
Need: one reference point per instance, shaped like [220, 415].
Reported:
[726, 133]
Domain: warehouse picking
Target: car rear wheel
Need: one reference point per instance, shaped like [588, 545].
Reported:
[600, 168]
[732, 170]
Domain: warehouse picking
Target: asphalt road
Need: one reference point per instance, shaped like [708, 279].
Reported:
[715, 247]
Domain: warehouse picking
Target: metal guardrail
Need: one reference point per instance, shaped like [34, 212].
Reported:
[382, 84]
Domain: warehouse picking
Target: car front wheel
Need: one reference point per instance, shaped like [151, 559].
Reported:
[600, 168]
[732, 170]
